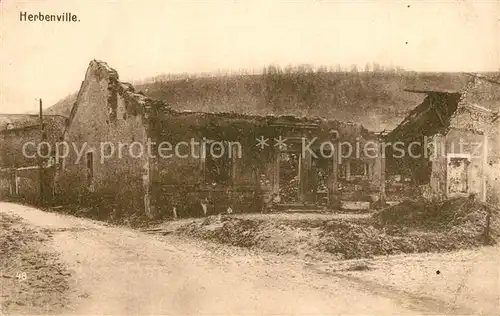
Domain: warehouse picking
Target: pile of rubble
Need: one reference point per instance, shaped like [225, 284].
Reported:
[461, 213]
[410, 227]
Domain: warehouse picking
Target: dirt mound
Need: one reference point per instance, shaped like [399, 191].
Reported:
[350, 240]
[458, 214]
[282, 237]
[413, 226]
[233, 231]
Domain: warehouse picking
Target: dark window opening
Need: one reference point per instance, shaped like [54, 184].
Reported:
[422, 175]
[108, 150]
[218, 164]
[289, 165]
[321, 168]
[342, 171]
[358, 168]
[458, 175]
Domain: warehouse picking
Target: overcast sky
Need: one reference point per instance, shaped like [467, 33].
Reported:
[144, 38]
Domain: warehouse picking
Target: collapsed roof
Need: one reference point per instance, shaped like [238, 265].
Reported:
[159, 111]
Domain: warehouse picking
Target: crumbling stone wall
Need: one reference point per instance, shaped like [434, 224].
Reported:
[104, 112]
[107, 110]
[11, 144]
[484, 91]
[12, 141]
[472, 125]
[493, 166]
[182, 182]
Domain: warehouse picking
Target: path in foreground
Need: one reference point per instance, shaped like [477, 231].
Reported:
[121, 271]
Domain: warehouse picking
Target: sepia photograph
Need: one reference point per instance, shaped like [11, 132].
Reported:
[237, 157]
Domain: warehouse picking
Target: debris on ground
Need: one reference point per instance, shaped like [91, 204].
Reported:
[425, 214]
[464, 217]
[409, 227]
[32, 279]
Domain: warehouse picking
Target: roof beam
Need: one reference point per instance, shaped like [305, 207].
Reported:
[433, 105]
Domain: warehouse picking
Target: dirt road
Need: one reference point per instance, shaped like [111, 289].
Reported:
[120, 271]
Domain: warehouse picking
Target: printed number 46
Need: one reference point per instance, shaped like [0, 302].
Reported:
[21, 276]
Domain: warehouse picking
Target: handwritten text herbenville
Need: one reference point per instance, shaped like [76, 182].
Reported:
[41, 17]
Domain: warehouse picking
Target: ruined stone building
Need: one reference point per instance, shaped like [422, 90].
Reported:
[214, 162]
[459, 145]
[21, 154]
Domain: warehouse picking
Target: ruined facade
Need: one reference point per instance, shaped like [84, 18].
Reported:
[211, 162]
[458, 137]
[25, 146]
[105, 111]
